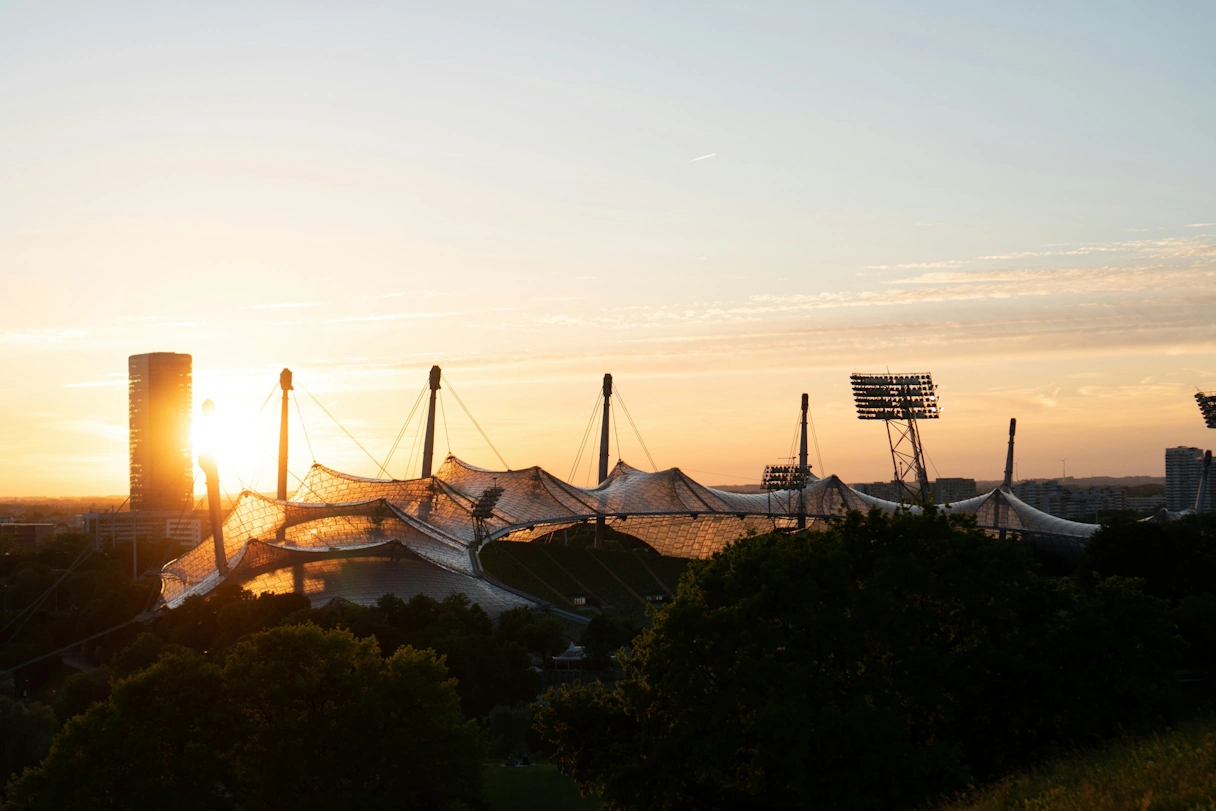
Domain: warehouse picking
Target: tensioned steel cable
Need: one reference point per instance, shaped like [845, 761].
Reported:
[444, 414]
[583, 444]
[33, 607]
[348, 433]
[616, 428]
[273, 389]
[475, 423]
[636, 432]
[815, 436]
[405, 426]
[84, 554]
[304, 428]
[415, 449]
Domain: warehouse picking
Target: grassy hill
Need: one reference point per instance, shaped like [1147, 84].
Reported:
[616, 582]
[1169, 770]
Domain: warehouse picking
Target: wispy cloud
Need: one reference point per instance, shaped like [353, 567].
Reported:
[39, 336]
[954, 263]
[286, 305]
[387, 317]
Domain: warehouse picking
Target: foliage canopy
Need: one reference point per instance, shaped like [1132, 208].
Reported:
[880, 663]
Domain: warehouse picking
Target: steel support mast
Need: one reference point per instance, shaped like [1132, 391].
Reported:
[281, 493]
[428, 447]
[803, 467]
[603, 470]
[207, 462]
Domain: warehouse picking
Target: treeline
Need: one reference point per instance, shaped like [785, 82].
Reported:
[248, 701]
[64, 591]
[885, 662]
[888, 662]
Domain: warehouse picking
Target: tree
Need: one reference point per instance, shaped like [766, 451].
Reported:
[297, 717]
[877, 664]
[604, 636]
[332, 724]
[157, 742]
[1175, 559]
[25, 734]
[535, 633]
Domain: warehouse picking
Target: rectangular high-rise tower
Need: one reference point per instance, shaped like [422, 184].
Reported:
[161, 400]
[1183, 468]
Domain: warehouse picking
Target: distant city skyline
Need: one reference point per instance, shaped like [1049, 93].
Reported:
[723, 207]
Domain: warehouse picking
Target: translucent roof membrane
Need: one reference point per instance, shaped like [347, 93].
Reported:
[335, 514]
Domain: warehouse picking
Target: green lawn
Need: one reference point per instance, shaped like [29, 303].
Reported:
[533, 788]
[1170, 771]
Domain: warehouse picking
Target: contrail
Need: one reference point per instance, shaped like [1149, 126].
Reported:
[703, 157]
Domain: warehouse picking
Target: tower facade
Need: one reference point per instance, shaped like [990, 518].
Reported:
[1183, 469]
[161, 401]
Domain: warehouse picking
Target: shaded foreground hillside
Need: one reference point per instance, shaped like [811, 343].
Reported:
[1169, 770]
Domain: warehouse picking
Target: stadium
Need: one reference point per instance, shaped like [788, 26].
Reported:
[358, 538]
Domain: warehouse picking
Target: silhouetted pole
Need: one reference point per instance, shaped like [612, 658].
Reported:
[1201, 498]
[806, 404]
[599, 519]
[1013, 427]
[285, 385]
[428, 447]
[206, 461]
[604, 429]
[1007, 483]
[802, 464]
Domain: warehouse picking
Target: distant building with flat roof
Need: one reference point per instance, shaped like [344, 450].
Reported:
[1183, 469]
[161, 400]
[27, 534]
[948, 491]
[150, 525]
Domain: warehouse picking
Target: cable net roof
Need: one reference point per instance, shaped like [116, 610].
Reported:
[334, 513]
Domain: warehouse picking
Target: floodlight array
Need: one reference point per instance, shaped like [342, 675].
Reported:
[888, 396]
[785, 477]
[1207, 405]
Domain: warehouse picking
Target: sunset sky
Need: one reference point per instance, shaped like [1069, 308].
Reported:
[724, 205]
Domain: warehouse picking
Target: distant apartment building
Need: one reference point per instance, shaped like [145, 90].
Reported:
[1066, 501]
[27, 534]
[1183, 469]
[120, 527]
[945, 491]
[161, 401]
[889, 491]
[1143, 503]
[948, 491]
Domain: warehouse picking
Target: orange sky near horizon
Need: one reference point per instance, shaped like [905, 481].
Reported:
[723, 207]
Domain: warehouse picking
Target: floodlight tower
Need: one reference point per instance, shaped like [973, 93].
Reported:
[1207, 407]
[793, 477]
[899, 400]
[483, 511]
